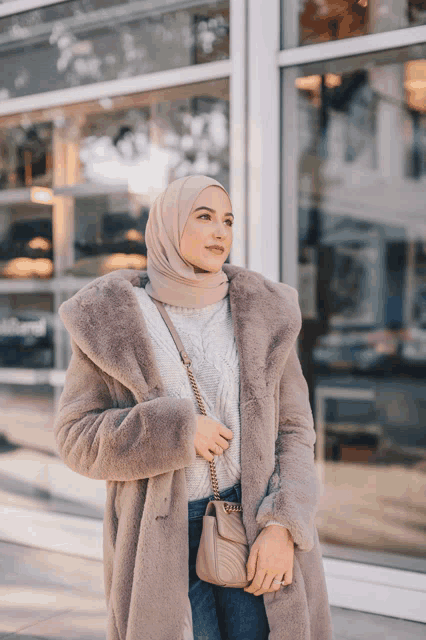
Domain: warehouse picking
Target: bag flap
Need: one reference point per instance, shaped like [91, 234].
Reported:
[229, 525]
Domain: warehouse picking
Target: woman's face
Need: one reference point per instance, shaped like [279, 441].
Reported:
[209, 223]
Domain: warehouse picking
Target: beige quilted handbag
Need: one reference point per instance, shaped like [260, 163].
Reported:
[223, 550]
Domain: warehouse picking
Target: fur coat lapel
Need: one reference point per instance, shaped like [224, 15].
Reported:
[104, 319]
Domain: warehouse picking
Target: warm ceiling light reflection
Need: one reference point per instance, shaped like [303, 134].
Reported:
[313, 83]
[29, 268]
[41, 195]
[40, 243]
[308, 83]
[415, 84]
[134, 235]
[126, 261]
[332, 80]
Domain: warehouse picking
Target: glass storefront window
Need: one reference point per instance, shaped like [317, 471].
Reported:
[307, 22]
[109, 234]
[362, 280]
[83, 42]
[26, 241]
[27, 330]
[27, 414]
[126, 152]
[108, 160]
[26, 155]
[176, 131]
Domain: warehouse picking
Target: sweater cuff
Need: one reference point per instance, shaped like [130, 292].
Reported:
[275, 522]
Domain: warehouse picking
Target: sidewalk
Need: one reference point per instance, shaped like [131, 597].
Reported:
[55, 596]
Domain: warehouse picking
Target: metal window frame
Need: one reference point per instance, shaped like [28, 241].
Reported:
[21, 6]
[350, 584]
[263, 131]
[125, 86]
[357, 45]
[12, 7]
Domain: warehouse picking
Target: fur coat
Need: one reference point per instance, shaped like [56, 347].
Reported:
[115, 423]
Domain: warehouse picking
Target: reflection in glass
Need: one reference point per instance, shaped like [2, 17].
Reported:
[26, 330]
[26, 156]
[131, 154]
[114, 144]
[195, 134]
[147, 147]
[362, 282]
[80, 42]
[109, 234]
[307, 22]
[26, 242]
[26, 418]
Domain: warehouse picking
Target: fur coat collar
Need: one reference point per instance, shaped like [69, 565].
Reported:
[105, 321]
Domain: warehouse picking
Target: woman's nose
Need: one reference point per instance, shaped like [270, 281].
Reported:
[220, 231]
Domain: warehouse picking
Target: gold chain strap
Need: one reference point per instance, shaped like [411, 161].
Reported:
[187, 364]
[227, 507]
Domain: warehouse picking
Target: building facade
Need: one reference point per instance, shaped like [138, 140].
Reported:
[312, 114]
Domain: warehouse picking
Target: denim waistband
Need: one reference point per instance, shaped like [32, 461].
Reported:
[197, 508]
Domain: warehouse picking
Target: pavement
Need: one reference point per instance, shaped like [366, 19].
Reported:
[58, 596]
[51, 571]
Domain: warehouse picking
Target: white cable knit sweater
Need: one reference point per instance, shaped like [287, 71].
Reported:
[208, 337]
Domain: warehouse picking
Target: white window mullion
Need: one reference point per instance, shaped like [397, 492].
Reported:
[375, 589]
[263, 138]
[20, 6]
[358, 45]
[238, 129]
[290, 179]
[125, 86]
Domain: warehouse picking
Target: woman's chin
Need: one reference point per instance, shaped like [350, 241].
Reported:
[208, 268]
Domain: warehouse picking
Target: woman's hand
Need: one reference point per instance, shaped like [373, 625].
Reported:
[271, 557]
[211, 437]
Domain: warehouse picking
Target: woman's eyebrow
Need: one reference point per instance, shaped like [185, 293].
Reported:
[212, 211]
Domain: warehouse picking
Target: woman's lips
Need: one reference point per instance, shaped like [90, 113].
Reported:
[215, 250]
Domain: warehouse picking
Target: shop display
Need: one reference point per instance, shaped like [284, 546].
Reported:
[26, 247]
[26, 331]
[26, 156]
[81, 42]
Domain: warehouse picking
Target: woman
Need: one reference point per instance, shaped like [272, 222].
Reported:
[128, 415]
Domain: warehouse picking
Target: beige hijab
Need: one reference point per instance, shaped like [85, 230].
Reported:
[171, 278]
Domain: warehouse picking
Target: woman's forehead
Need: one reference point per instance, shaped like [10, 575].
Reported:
[211, 195]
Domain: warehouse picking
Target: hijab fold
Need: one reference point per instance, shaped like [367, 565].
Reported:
[172, 279]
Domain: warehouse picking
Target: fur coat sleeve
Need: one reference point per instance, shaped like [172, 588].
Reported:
[294, 488]
[104, 442]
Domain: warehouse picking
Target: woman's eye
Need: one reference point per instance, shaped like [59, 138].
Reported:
[230, 222]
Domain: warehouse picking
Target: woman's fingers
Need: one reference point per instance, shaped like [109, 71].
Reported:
[256, 584]
[288, 578]
[217, 449]
[269, 584]
[222, 442]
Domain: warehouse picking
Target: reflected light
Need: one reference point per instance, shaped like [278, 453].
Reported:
[308, 83]
[313, 83]
[133, 235]
[41, 195]
[29, 268]
[40, 243]
[126, 261]
[332, 80]
[415, 84]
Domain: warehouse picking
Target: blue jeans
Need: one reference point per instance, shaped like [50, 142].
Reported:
[221, 613]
